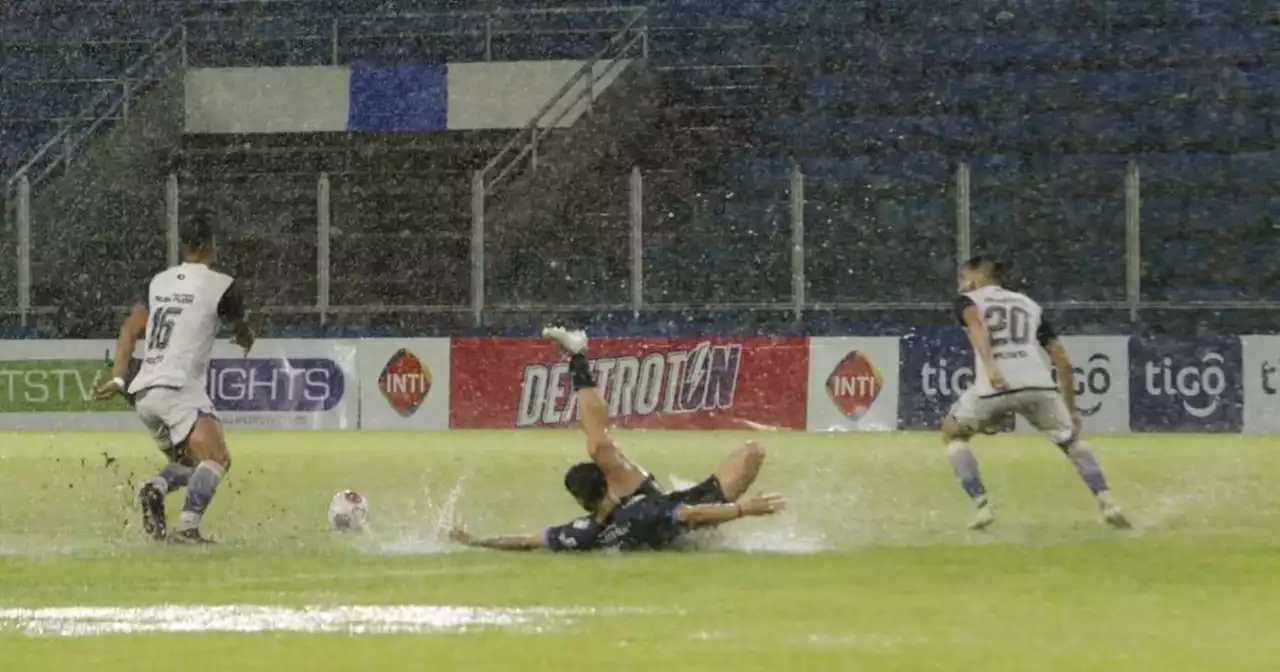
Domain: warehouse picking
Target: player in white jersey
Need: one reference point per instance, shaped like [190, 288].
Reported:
[1007, 329]
[180, 315]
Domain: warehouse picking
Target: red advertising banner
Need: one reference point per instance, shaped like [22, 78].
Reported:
[652, 383]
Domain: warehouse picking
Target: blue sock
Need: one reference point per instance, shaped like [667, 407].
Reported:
[965, 466]
[200, 491]
[172, 477]
[1086, 463]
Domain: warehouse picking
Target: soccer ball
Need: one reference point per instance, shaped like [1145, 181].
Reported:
[348, 511]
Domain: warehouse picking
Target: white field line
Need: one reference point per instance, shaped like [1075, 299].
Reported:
[351, 620]
[318, 578]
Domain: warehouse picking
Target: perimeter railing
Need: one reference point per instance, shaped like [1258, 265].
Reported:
[109, 105]
[803, 244]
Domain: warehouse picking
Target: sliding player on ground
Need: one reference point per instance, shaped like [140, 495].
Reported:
[180, 315]
[626, 508]
[1006, 328]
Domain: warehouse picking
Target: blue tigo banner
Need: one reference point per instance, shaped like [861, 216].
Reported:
[936, 368]
[1186, 385]
[1172, 384]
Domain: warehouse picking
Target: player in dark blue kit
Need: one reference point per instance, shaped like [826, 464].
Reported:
[626, 508]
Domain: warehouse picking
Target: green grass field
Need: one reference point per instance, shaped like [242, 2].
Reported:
[871, 570]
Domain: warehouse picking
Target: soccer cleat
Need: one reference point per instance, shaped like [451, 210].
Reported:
[983, 518]
[1115, 517]
[572, 342]
[189, 536]
[152, 502]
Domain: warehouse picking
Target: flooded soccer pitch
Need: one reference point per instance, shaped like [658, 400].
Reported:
[872, 567]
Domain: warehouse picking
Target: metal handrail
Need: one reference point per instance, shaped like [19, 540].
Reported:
[427, 15]
[538, 128]
[780, 305]
[90, 111]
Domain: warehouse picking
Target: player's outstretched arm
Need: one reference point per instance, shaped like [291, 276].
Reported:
[134, 326]
[511, 542]
[701, 515]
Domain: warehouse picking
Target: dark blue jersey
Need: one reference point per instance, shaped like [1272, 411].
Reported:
[641, 522]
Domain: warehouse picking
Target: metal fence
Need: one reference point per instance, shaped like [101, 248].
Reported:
[799, 246]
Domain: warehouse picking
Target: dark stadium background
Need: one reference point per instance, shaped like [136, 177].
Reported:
[1069, 126]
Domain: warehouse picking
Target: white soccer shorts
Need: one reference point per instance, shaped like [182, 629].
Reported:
[1044, 409]
[170, 415]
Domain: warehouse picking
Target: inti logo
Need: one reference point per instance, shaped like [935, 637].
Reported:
[405, 382]
[854, 385]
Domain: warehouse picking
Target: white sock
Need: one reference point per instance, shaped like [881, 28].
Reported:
[1105, 500]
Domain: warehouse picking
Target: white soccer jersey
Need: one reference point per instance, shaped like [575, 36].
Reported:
[1018, 330]
[187, 304]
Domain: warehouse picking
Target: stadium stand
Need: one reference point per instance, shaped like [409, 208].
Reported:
[878, 102]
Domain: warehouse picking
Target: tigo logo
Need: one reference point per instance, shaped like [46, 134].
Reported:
[405, 382]
[854, 385]
[1199, 387]
[1092, 384]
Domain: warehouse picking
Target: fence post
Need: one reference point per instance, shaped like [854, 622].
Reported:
[488, 39]
[964, 230]
[333, 42]
[637, 241]
[1133, 239]
[171, 220]
[24, 249]
[323, 228]
[797, 242]
[124, 106]
[477, 247]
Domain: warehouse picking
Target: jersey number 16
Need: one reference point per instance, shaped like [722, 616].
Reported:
[162, 328]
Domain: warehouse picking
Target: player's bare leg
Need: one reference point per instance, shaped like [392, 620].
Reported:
[738, 472]
[965, 466]
[151, 497]
[207, 447]
[625, 478]
[729, 482]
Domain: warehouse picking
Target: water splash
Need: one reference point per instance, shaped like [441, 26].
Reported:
[780, 534]
[418, 531]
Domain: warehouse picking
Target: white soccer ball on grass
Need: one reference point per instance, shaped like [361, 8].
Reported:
[348, 512]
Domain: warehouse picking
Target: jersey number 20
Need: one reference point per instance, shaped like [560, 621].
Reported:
[1008, 325]
[162, 328]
